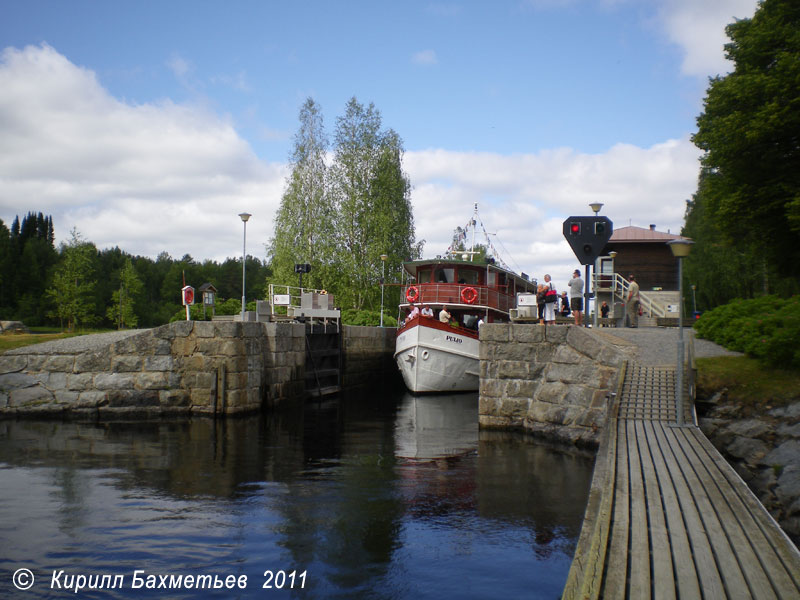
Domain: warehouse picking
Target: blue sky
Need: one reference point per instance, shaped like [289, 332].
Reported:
[150, 125]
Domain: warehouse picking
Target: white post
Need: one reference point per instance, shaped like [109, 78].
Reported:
[679, 388]
[244, 217]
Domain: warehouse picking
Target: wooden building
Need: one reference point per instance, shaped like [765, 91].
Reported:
[645, 254]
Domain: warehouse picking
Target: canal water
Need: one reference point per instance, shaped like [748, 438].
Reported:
[370, 496]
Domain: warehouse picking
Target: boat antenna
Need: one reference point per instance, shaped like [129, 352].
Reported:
[474, 223]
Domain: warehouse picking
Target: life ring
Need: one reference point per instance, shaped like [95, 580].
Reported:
[412, 294]
[469, 295]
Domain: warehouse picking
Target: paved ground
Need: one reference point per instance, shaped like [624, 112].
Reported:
[78, 344]
[653, 346]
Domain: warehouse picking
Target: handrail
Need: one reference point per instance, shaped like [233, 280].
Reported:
[450, 294]
[621, 286]
[295, 294]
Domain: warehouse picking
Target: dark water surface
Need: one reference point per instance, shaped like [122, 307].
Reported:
[382, 496]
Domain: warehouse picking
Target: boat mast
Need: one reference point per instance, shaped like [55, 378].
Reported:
[474, 226]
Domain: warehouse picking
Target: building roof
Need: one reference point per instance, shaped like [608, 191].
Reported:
[641, 234]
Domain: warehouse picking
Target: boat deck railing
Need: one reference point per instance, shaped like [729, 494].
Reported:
[459, 295]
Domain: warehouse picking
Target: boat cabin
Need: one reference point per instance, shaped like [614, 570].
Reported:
[470, 290]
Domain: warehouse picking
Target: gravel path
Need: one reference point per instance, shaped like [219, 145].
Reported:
[77, 344]
[653, 346]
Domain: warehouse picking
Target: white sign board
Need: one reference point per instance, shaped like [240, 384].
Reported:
[281, 299]
[526, 299]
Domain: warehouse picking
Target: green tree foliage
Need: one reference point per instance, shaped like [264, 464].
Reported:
[39, 285]
[302, 225]
[124, 298]
[27, 256]
[373, 208]
[749, 133]
[719, 270]
[341, 218]
[73, 283]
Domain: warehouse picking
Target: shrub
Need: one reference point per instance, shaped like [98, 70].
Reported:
[765, 328]
[372, 318]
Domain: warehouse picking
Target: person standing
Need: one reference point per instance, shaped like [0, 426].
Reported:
[550, 299]
[576, 296]
[632, 304]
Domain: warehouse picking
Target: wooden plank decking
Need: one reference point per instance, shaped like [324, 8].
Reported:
[668, 517]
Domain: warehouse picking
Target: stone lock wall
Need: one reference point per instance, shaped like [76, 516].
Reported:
[183, 367]
[552, 381]
[368, 354]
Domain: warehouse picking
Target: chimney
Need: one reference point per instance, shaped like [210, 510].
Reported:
[652, 226]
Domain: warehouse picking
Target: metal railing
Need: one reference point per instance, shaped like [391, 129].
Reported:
[453, 294]
[617, 284]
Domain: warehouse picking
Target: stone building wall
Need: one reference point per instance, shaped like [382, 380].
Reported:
[178, 368]
[551, 381]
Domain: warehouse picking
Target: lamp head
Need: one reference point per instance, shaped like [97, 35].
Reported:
[245, 216]
[680, 247]
[596, 206]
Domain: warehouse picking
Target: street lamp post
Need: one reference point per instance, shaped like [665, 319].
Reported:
[694, 302]
[384, 258]
[244, 216]
[595, 206]
[680, 249]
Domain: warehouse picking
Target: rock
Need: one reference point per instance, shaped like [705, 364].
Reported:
[751, 428]
[788, 488]
[750, 450]
[788, 453]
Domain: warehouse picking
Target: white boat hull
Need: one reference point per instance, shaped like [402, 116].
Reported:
[436, 359]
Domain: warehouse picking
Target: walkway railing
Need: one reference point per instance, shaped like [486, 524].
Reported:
[458, 294]
[617, 284]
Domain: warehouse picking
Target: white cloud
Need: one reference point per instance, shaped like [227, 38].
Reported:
[698, 27]
[149, 177]
[425, 57]
[170, 177]
[524, 199]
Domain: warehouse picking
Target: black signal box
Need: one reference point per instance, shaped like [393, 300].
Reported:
[587, 236]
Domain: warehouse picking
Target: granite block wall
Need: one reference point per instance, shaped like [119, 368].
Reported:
[553, 381]
[183, 367]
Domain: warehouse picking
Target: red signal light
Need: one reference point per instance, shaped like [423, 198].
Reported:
[575, 228]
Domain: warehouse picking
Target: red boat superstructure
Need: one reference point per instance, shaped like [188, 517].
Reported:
[436, 355]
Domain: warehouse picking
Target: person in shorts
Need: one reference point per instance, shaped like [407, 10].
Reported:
[576, 296]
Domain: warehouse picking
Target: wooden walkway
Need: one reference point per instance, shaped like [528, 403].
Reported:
[668, 517]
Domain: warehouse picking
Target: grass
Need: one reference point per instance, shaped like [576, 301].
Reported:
[749, 383]
[10, 341]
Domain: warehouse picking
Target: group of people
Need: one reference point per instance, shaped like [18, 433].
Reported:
[547, 299]
[470, 321]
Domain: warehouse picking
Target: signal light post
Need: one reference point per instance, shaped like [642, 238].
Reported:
[587, 236]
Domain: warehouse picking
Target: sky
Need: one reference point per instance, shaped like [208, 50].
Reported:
[151, 125]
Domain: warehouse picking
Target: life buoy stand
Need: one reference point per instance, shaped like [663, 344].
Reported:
[412, 294]
[469, 295]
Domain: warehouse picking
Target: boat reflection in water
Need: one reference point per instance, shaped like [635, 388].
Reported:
[436, 427]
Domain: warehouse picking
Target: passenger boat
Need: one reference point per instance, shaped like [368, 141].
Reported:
[436, 355]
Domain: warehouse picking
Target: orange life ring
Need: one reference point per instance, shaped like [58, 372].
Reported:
[412, 293]
[469, 295]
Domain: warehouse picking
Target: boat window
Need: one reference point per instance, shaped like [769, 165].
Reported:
[469, 277]
[424, 276]
[492, 279]
[445, 275]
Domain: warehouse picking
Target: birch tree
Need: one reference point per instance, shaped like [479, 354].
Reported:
[303, 222]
